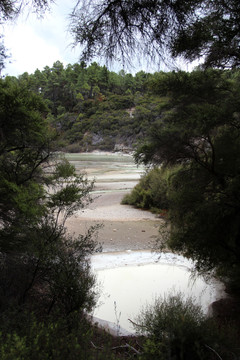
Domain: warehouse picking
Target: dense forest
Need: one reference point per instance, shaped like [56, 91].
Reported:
[94, 108]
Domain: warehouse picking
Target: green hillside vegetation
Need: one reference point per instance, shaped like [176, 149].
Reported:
[94, 108]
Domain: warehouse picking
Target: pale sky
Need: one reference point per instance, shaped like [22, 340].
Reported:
[34, 43]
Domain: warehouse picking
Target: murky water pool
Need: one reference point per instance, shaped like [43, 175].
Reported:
[130, 279]
[111, 167]
[133, 279]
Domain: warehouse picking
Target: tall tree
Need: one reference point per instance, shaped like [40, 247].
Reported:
[159, 28]
[198, 137]
[42, 267]
[3, 54]
[9, 9]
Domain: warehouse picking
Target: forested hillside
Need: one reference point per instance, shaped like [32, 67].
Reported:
[94, 108]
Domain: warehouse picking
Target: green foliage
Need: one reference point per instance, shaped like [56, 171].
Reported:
[91, 107]
[44, 270]
[216, 42]
[25, 145]
[200, 130]
[151, 191]
[176, 328]
[68, 338]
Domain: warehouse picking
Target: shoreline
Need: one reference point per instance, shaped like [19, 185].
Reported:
[115, 236]
[123, 226]
[127, 232]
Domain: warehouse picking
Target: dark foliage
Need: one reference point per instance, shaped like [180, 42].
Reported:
[45, 272]
[193, 29]
[200, 131]
[176, 328]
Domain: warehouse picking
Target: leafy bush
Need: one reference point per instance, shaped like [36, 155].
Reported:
[73, 148]
[65, 338]
[151, 191]
[176, 328]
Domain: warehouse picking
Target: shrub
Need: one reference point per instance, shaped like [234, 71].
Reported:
[151, 191]
[65, 338]
[176, 328]
[73, 148]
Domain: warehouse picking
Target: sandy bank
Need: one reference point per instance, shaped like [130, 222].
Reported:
[124, 227]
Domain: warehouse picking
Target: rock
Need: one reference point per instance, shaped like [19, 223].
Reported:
[225, 309]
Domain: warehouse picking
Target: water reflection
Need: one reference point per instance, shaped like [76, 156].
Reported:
[126, 289]
[124, 283]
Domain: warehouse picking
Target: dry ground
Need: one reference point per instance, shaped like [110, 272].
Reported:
[124, 227]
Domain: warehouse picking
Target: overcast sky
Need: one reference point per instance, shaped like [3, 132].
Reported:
[35, 43]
